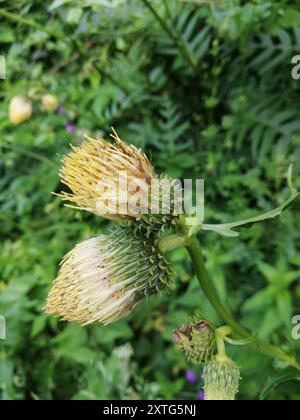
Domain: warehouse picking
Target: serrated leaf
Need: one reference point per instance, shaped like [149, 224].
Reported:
[227, 229]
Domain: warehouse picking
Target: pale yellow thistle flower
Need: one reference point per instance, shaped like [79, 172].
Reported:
[49, 102]
[20, 110]
[102, 279]
[93, 171]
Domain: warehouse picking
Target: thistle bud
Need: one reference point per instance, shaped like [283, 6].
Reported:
[196, 339]
[20, 110]
[221, 379]
[49, 102]
[114, 181]
[104, 278]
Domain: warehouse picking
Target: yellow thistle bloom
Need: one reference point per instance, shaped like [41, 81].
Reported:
[94, 172]
[104, 278]
[20, 110]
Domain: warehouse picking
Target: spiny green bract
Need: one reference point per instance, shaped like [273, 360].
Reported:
[221, 379]
[105, 277]
[167, 200]
[137, 256]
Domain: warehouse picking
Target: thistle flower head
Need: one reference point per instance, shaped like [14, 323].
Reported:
[196, 339]
[20, 110]
[105, 277]
[221, 379]
[93, 170]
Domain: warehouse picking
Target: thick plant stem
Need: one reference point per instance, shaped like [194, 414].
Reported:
[195, 252]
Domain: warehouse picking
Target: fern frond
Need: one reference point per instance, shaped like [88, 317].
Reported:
[268, 52]
[186, 36]
[264, 125]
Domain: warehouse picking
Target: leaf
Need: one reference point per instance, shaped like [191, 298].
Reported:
[276, 380]
[269, 272]
[227, 229]
[269, 323]
[296, 260]
[258, 301]
[285, 307]
[58, 3]
[38, 325]
[242, 342]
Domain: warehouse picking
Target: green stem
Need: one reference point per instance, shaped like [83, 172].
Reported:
[195, 252]
[171, 242]
[175, 38]
[220, 340]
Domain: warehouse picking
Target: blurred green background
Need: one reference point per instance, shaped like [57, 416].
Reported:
[205, 88]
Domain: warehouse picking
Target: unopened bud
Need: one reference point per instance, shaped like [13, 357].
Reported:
[221, 379]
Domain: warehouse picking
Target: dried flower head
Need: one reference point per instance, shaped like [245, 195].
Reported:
[20, 109]
[105, 277]
[117, 181]
[196, 339]
[221, 379]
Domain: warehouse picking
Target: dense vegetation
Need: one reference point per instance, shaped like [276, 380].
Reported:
[206, 90]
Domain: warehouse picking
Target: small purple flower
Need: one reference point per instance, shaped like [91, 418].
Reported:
[61, 110]
[201, 395]
[191, 377]
[70, 128]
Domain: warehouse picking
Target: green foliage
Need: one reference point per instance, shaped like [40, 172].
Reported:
[206, 90]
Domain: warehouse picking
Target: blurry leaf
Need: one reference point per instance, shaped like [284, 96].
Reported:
[38, 325]
[284, 303]
[58, 3]
[270, 322]
[74, 15]
[258, 301]
[277, 380]
[268, 271]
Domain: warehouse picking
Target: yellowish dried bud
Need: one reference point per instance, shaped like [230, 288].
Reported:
[20, 109]
[94, 172]
[104, 278]
[49, 102]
